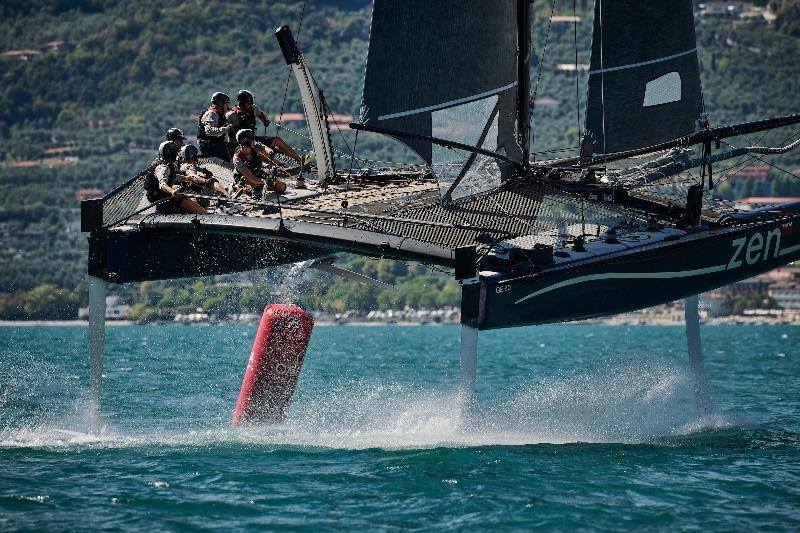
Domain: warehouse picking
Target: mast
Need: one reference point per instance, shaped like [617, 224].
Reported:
[524, 79]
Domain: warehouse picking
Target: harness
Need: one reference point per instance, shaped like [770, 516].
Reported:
[201, 128]
[247, 119]
[253, 163]
[151, 185]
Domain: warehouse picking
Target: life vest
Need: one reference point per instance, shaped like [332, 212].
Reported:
[151, 185]
[201, 128]
[252, 162]
[247, 119]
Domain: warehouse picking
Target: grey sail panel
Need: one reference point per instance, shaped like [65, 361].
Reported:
[316, 119]
[644, 79]
[425, 57]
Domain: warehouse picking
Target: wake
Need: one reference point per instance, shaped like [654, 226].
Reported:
[632, 403]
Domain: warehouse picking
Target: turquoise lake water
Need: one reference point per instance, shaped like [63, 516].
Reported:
[575, 427]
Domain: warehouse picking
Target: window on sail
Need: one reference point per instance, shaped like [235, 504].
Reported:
[663, 90]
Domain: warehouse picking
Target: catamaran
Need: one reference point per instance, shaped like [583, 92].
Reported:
[628, 222]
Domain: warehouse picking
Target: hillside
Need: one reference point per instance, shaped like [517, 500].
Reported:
[87, 89]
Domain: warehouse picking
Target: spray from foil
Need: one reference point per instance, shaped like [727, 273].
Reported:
[619, 403]
[292, 281]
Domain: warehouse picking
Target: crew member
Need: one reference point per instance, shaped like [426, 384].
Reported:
[161, 184]
[176, 135]
[248, 162]
[212, 128]
[243, 116]
[198, 179]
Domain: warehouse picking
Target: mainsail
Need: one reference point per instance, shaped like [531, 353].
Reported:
[446, 69]
[644, 80]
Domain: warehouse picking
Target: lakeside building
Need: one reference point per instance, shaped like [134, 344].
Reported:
[756, 202]
[115, 310]
[87, 194]
[190, 318]
[786, 294]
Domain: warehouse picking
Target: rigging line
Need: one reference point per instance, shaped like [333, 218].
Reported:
[602, 78]
[349, 177]
[789, 138]
[744, 164]
[341, 153]
[792, 174]
[341, 134]
[767, 162]
[289, 76]
[464, 159]
[735, 130]
[448, 196]
[352, 159]
[577, 75]
[751, 159]
[702, 91]
[539, 70]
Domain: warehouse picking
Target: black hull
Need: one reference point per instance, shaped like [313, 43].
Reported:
[634, 279]
[177, 246]
[132, 256]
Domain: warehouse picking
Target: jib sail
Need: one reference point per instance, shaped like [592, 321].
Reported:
[644, 80]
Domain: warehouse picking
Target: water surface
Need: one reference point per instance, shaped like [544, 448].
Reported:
[575, 427]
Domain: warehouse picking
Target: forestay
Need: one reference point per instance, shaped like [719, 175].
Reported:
[644, 80]
[446, 69]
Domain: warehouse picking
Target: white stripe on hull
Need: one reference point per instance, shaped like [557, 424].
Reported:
[625, 275]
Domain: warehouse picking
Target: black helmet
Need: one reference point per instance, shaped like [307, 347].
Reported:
[173, 134]
[245, 96]
[219, 98]
[189, 151]
[245, 135]
[168, 150]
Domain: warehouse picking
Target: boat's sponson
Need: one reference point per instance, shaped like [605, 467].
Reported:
[175, 246]
[633, 279]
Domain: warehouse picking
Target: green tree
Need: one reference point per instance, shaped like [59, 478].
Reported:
[11, 307]
[48, 302]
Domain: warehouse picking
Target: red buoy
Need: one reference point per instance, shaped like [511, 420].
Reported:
[274, 366]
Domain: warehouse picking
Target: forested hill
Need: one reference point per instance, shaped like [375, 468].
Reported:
[88, 88]
[153, 64]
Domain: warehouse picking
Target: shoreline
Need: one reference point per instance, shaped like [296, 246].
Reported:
[743, 320]
[60, 323]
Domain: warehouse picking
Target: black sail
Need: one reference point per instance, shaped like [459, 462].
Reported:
[644, 79]
[447, 69]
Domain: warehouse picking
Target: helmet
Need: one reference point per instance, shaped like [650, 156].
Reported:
[168, 150]
[219, 98]
[189, 151]
[245, 135]
[173, 134]
[245, 96]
